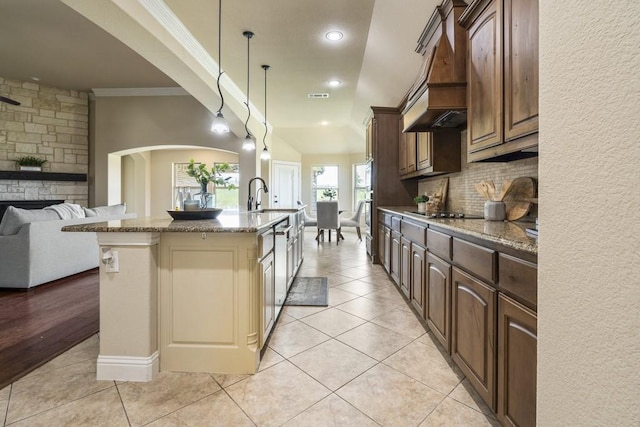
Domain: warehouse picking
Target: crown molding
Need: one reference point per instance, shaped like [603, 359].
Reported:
[139, 91]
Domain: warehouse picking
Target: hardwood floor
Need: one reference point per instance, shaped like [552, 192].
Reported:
[39, 324]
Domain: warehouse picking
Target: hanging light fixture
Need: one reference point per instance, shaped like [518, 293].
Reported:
[219, 124]
[265, 155]
[249, 142]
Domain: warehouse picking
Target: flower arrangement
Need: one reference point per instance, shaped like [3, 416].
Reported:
[329, 193]
[204, 176]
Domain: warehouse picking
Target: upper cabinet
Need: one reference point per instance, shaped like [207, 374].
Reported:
[429, 153]
[502, 79]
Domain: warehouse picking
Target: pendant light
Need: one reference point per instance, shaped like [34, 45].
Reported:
[265, 155]
[219, 124]
[249, 143]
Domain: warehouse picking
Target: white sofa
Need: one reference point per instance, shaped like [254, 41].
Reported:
[40, 251]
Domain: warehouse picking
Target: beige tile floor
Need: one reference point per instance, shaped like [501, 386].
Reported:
[363, 361]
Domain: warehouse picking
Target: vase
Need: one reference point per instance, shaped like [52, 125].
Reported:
[422, 207]
[205, 196]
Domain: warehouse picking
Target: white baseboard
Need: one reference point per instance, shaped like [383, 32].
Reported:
[121, 368]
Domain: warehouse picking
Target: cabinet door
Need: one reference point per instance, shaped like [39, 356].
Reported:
[369, 148]
[473, 333]
[394, 268]
[424, 150]
[520, 68]
[418, 277]
[268, 296]
[410, 155]
[517, 363]
[383, 244]
[484, 80]
[438, 299]
[405, 266]
[402, 155]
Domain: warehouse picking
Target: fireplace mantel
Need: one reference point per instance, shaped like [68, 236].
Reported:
[43, 176]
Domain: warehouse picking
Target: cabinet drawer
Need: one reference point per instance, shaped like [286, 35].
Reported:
[414, 232]
[439, 244]
[385, 218]
[519, 279]
[265, 243]
[395, 223]
[475, 259]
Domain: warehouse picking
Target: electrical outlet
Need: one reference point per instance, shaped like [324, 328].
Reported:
[114, 265]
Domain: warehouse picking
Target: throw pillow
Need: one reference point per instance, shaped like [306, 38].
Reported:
[113, 210]
[14, 218]
[68, 210]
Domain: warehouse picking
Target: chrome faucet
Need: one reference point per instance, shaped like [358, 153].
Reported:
[250, 204]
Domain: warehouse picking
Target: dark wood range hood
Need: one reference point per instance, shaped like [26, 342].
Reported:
[438, 98]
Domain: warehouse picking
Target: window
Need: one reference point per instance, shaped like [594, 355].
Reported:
[360, 183]
[223, 198]
[324, 184]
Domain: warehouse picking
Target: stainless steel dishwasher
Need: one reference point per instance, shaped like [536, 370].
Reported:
[283, 231]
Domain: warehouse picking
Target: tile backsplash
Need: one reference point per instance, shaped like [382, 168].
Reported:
[462, 195]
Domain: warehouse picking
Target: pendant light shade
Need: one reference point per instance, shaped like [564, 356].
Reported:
[249, 143]
[219, 124]
[265, 155]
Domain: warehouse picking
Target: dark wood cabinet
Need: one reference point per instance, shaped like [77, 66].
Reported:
[473, 332]
[384, 239]
[418, 265]
[517, 361]
[405, 266]
[388, 189]
[438, 297]
[502, 79]
[423, 150]
[394, 268]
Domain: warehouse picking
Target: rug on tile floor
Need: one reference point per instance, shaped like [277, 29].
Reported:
[308, 291]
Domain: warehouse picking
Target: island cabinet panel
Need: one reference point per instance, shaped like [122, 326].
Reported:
[268, 298]
[473, 332]
[517, 361]
[438, 297]
[405, 266]
[418, 267]
[208, 287]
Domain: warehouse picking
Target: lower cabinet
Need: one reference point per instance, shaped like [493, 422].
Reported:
[437, 310]
[418, 275]
[394, 268]
[405, 266]
[268, 296]
[473, 332]
[517, 361]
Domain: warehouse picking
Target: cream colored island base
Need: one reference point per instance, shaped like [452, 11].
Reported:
[191, 301]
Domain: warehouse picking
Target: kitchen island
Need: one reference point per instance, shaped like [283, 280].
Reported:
[191, 296]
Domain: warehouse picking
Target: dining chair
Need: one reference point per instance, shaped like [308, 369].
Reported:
[354, 221]
[328, 219]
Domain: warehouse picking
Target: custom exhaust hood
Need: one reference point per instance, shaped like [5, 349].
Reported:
[438, 98]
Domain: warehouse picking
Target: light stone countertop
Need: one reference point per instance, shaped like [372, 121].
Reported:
[511, 234]
[227, 222]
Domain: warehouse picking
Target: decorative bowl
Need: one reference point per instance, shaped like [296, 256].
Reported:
[210, 213]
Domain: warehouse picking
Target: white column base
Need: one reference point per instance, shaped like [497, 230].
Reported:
[121, 368]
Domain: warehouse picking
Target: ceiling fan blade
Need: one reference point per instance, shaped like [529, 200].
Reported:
[8, 100]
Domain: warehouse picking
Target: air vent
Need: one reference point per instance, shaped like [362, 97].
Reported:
[317, 95]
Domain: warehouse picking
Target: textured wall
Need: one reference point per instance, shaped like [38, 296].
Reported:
[51, 124]
[589, 257]
[462, 196]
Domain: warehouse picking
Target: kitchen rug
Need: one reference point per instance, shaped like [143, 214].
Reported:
[311, 291]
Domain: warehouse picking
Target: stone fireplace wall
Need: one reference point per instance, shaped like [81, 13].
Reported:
[51, 124]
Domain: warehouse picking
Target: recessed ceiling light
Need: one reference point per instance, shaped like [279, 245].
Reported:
[334, 83]
[334, 35]
[324, 123]
[35, 79]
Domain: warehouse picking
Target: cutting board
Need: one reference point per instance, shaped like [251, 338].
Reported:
[517, 202]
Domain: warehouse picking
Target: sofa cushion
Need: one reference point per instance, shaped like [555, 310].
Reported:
[14, 218]
[112, 210]
[67, 210]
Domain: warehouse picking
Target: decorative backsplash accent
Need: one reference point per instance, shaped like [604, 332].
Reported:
[462, 196]
[51, 124]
